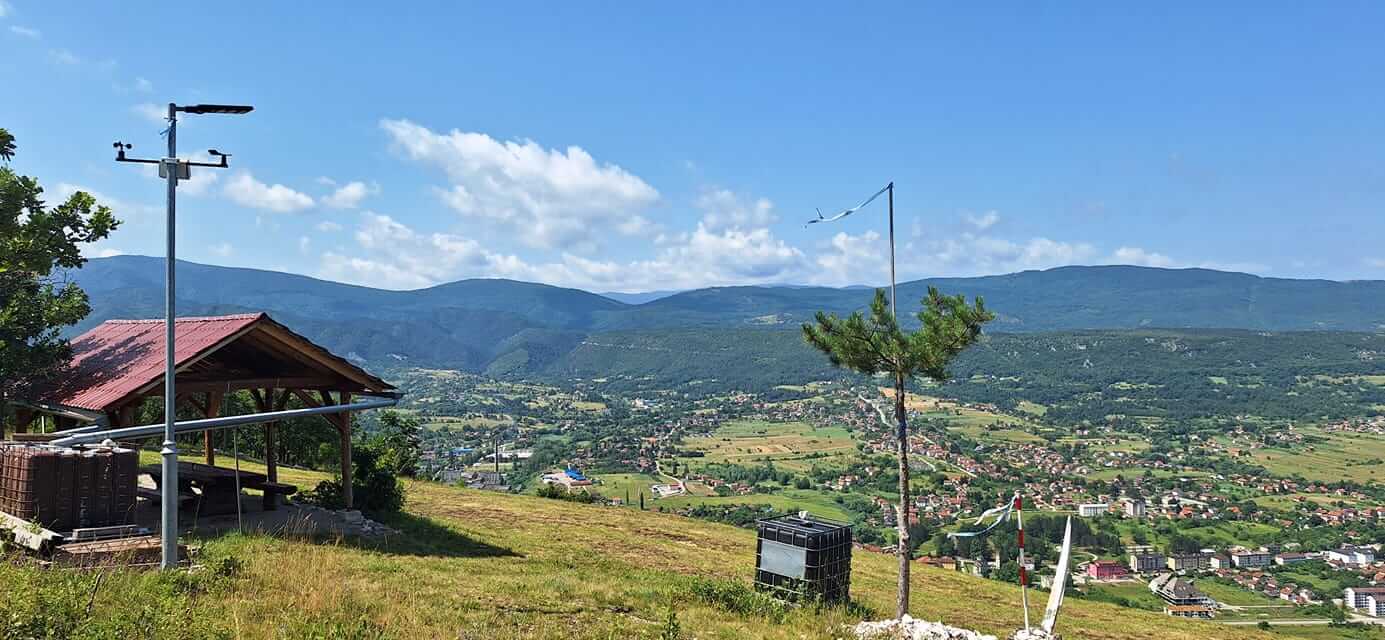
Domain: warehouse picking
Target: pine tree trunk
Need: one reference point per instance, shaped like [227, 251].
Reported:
[900, 415]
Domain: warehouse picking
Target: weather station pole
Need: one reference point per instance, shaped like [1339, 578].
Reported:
[173, 169]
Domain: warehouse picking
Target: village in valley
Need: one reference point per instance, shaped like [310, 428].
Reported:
[1164, 531]
[692, 321]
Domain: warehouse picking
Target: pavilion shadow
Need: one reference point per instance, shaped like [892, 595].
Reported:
[422, 536]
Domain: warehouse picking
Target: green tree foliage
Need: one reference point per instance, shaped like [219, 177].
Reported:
[397, 441]
[877, 345]
[375, 488]
[39, 244]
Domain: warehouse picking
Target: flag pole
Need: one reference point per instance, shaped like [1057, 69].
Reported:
[894, 306]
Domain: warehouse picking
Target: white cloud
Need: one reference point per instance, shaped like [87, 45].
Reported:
[122, 209]
[201, 181]
[143, 86]
[983, 221]
[327, 226]
[854, 260]
[151, 112]
[722, 209]
[350, 195]
[864, 259]
[245, 190]
[222, 250]
[391, 254]
[1140, 257]
[397, 257]
[551, 198]
[132, 216]
[4, 8]
[63, 56]
[1378, 263]
[26, 32]
[303, 243]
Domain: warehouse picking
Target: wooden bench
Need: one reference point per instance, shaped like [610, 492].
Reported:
[154, 495]
[272, 491]
[218, 486]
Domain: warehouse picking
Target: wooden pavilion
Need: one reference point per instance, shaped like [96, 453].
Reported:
[120, 363]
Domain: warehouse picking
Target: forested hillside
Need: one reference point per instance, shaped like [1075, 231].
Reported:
[728, 335]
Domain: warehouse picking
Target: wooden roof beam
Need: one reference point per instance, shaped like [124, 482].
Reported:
[240, 384]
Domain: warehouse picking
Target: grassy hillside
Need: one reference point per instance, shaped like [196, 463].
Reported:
[483, 565]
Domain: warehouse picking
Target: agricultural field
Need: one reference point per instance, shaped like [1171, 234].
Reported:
[1107, 475]
[793, 446]
[1344, 456]
[1230, 594]
[475, 421]
[1032, 408]
[1132, 594]
[1291, 501]
[975, 424]
[817, 503]
[616, 485]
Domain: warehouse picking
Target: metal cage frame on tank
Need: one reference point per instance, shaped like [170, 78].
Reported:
[800, 556]
[62, 488]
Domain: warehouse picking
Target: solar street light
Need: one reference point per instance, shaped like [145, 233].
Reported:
[230, 109]
[173, 169]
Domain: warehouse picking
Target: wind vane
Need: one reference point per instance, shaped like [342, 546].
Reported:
[846, 212]
[1055, 598]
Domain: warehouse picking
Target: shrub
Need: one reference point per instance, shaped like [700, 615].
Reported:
[736, 597]
[375, 488]
[671, 630]
[556, 492]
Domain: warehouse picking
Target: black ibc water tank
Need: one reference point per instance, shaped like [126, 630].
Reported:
[799, 556]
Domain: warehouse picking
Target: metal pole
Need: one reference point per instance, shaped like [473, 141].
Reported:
[194, 426]
[894, 306]
[169, 497]
[1024, 575]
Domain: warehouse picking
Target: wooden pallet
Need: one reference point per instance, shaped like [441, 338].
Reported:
[138, 551]
[29, 535]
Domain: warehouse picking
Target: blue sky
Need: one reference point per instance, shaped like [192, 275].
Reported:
[635, 147]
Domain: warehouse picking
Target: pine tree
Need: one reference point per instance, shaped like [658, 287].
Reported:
[877, 345]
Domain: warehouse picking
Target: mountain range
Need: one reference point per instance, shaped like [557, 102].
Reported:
[520, 328]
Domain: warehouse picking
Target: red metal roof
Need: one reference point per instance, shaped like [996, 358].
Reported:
[119, 357]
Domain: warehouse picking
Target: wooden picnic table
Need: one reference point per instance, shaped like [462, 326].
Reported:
[217, 485]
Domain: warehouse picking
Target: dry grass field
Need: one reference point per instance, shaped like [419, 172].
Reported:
[477, 565]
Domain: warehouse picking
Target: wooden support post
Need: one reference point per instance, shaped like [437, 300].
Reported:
[211, 410]
[127, 415]
[22, 419]
[271, 463]
[271, 449]
[344, 424]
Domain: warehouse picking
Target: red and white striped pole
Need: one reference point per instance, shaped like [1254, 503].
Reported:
[1024, 576]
